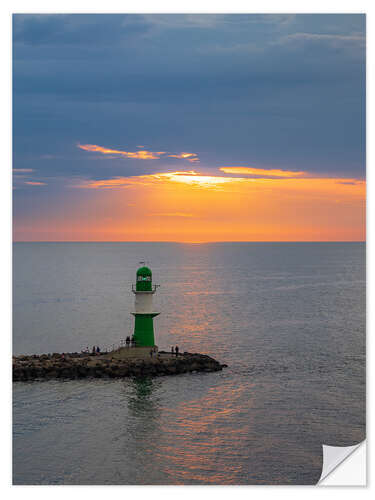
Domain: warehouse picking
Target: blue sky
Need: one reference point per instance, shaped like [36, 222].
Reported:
[265, 91]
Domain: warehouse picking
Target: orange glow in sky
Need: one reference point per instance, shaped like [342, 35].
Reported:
[190, 177]
[262, 172]
[141, 154]
[189, 206]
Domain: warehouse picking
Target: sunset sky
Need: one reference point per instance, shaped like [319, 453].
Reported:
[189, 128]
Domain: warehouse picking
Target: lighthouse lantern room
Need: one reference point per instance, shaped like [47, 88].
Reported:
[144, 314]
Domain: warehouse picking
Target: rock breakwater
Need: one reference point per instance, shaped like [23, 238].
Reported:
[82, 365]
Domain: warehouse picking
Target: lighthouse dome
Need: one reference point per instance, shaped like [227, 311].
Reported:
[144, 271]
[144, 279]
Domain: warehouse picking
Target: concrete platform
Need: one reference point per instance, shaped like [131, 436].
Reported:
[130, 353]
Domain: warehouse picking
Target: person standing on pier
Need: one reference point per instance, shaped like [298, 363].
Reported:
[176, 350]
[172, 350]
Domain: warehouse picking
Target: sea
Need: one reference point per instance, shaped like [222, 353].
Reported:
[287, 318]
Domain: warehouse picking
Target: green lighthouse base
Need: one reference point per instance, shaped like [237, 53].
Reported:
[144, 329]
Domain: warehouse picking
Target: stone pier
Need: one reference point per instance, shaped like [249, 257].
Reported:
[125, 362]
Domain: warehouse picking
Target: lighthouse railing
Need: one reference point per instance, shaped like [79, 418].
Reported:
[118, 345]
[153, 290]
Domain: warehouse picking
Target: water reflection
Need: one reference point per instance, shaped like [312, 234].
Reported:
[141, 428]
[140, 398]
[204, 423]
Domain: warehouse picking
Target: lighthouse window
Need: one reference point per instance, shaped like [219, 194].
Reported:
[144, 278]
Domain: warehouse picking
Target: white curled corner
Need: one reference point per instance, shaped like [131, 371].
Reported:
[355, 467]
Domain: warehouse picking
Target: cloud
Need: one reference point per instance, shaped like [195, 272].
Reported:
[185, 21]
[192, 157]
[233, 48]
[260, 172]
[253, 176]
[298, 105]
[216, 21]
[141, 154]
[70, 30]
[115, 182]
[352, 44]
[350, 182]
[35, 183]
[351, 41]
[77, 29]
[197, 179]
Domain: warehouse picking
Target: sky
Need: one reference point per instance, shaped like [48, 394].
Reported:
[189, 128]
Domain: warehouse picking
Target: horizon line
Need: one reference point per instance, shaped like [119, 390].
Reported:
[189, 242]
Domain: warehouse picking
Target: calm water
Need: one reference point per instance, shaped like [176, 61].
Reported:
[288, 319]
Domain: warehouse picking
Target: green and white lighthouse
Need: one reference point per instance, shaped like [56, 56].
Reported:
[144, 313]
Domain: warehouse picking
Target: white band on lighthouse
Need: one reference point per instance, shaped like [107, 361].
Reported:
[143, 302]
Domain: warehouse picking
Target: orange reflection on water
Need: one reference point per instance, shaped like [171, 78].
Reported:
[210, 453]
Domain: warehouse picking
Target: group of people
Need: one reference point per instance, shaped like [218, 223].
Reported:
[174, 350]
[94, 350]
[153, 351]
[130, 342]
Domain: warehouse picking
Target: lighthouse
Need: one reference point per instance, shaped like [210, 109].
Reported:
[144, 313]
